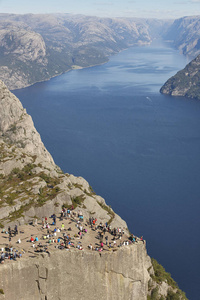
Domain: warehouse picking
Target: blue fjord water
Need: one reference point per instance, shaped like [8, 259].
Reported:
[138, 149]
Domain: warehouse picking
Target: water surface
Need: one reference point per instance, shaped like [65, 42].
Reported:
[137, 148]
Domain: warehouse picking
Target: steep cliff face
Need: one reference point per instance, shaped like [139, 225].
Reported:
[30, 182]
[79, 275]
[186, 82]
[185, 33]
[31, 185]
[23, 54]
[16, 126]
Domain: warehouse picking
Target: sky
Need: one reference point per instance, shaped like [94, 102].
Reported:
[162, 9]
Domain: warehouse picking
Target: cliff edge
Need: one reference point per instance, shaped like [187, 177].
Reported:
[186, 82]
[32, 186]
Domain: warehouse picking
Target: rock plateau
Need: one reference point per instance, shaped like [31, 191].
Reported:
[32, 185]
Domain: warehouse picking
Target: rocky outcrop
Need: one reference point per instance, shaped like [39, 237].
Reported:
[37, 47]
[23, 54]
[16, 127]
[30, 182]
[185, 33]
[79, 275]
[31, 186]
[186, 82]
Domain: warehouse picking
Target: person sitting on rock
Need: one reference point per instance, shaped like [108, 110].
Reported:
[79, 247]
[90, 246]
[2, 256]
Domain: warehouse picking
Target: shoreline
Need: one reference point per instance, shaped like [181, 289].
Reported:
[81, 68]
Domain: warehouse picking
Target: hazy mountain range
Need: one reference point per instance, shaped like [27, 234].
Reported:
[37, 47]
[186, 35]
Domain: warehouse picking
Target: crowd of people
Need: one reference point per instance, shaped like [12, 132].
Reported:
[66, 231]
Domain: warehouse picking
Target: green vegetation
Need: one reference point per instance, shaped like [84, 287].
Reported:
[20, 212]
[186, 81]
[18, 186]
[76, 201]
[91, 190]
[109, 211]
[160, 275]
[49, 180]
[154, 295]
[79, 186]
[76, 185]
[1, 291]
[170, 295]
[174, 296]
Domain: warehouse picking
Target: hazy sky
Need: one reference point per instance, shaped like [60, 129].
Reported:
[107, 8]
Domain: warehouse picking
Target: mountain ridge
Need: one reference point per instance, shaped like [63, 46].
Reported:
[185, 32]
[37, 47]
[186, 82]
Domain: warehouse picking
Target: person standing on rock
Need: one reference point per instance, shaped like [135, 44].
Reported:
[9, 230]
[54, 219]
[10, 233]
[106, 238]
[16, 230]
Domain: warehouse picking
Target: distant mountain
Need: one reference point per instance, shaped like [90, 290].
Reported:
[37, 47]
[185, 34]
[186, 82]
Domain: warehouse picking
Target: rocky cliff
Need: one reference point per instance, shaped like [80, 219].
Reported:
[75, 275]
[31, 186]
[37, 47]
[30, 182]
[186, 82]
[185, 33]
